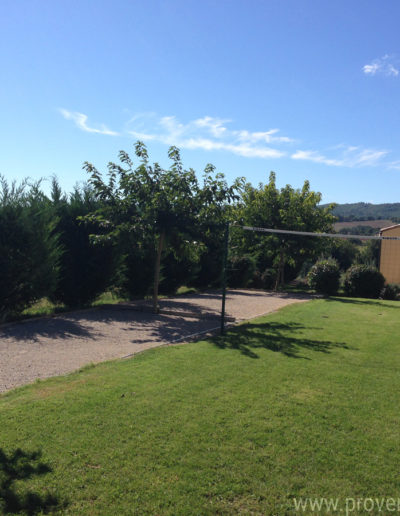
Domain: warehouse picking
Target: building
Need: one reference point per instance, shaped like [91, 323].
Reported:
[389, 263]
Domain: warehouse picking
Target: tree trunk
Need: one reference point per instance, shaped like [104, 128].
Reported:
[156, 307]
[281, 269]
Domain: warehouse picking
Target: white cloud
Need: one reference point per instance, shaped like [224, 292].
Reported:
[215, 125]
[315, 157]
[386, 65]
[210, 134]
[371, 69]
[369, 157]
[266, 136]
[350, 157]
[213, 134]
[80, 120]
[143, 136]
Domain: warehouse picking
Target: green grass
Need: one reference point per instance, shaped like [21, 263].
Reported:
[45, 307]
[303, 402]
[42, 308]
[108, 298]
[186, 290]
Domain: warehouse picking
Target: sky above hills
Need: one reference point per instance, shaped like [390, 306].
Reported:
[309, 89]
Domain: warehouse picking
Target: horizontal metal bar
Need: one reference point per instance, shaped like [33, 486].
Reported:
[309, 233]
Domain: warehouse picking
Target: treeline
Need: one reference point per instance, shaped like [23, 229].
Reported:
[141, 229]
[359, 230]
[367, 211]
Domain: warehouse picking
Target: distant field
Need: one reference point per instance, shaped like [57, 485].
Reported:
[381, 223]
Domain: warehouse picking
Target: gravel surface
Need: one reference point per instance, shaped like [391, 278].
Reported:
[57, 345]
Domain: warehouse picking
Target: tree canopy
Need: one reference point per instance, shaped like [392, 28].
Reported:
[159, 206]
[140, 227]
[282, 208]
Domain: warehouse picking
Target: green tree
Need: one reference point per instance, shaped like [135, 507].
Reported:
[285, 208]
[344, 251]
[29, 250]
[369, 253]
[85, 270]
[158, 207]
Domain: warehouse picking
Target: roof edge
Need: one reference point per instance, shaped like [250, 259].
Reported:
[390, 227]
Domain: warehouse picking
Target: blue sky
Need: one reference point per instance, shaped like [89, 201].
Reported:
[307, 88]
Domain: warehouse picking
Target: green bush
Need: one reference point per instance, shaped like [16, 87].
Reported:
[241, 270]
[29, 251]
[344, 251]
[390, 292]
[86, 269]
[324, 276]
[138, 270]
[264, 280]
[268, 278]
[363, 281]
[176, 271]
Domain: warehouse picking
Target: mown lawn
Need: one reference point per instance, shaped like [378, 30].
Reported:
[304, 402]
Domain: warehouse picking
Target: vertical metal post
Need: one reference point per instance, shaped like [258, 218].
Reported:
[224, 265]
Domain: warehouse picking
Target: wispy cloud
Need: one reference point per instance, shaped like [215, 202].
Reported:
[214, 134]
[208, 133]
[387, 65]
[81, 121]
[308, 155]
[349, 156]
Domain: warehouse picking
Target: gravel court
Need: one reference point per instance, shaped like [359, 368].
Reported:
[58, 345]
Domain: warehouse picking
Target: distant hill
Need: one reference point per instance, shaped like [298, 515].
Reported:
[367, 211]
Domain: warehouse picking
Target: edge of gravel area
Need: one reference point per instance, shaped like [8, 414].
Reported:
[144, 305]
[212, 331]
[192, 332]
[49, 316]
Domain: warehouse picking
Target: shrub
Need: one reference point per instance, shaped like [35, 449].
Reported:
[138, 272]
[256, 281]
[363, 281]
[390, 292]
[209, 269]
[264, 280]
[241, 270]
[29, 251]
[268, 278]
[86, 270]
[324, 276]
[176, 271]
[344, 251]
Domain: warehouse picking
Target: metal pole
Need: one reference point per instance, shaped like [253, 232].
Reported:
[224, 265]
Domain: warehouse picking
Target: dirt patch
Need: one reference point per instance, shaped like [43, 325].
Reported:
[378, 224]
[58, 345]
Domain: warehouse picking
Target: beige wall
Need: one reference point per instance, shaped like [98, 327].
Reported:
[390, 256]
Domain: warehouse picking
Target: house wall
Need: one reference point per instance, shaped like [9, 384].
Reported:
[390, 256]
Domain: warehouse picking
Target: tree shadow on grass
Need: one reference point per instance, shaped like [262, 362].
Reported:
[379, 303]
[21, 465]
[276, 337]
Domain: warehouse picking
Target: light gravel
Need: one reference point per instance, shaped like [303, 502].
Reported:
[53, 346]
